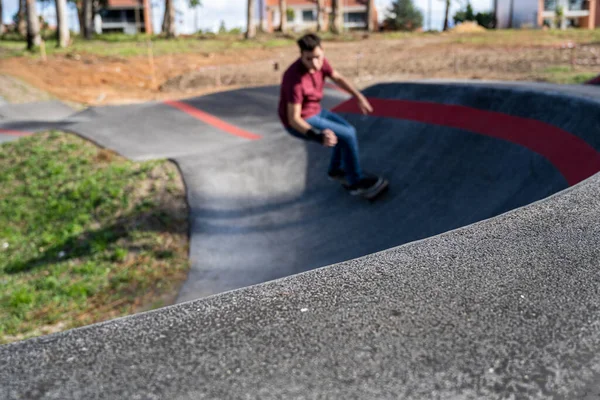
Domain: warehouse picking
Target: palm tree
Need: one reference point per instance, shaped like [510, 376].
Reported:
[33, 26]
[320, 15]
[22, 25]
[446, 15]
[496, 14]
[87, 19]
[261, 15]
[338, 14]
[369, 16]
[62, 33]
[251, 28]
[168, 25]
[283, 14]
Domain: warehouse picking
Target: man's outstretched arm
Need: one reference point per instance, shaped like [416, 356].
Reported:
[342, 82]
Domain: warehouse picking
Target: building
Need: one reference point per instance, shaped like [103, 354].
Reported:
[125, 16]
[537, 13]
[302, 14]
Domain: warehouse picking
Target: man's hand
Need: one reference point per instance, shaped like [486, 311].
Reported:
[329, 138]
[364, 105]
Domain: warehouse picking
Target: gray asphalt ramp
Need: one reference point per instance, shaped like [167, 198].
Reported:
[476, 276]
[17, 120]
[453, 155]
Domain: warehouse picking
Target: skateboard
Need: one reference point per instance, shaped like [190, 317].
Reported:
[377, 193]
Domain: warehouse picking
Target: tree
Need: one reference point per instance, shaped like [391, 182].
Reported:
[466, 14]
[404, 16]
[261, 15]
[369, 21]
[446, 15]
[168, 25]
[22, 18]
[486, 19]
[62, 31]
[510, 13]
[337, 25]
[320, 14]
[283, 15]
[251, 28]
[88, 19]
[1, 23]
[195, 4]
[33, 26]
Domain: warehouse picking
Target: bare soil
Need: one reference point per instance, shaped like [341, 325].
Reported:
[94, 80]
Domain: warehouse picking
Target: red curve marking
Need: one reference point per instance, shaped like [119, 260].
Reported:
[212, 120]
[13, 132]
[572, 156]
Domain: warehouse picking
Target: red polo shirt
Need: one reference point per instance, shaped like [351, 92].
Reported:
[301, 87]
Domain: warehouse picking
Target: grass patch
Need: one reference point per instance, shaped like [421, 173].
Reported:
[120, 45]
[85, 235]
[565, 74]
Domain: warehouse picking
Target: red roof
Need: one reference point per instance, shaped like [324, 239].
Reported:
[123, 3]
[327, 3]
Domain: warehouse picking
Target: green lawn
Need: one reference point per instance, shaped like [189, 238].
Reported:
[131, 45]
[564, 74]
[85, 235]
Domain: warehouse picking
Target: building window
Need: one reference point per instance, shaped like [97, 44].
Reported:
[308, 16]
[356, 17]
[578, 5]
[550, 5]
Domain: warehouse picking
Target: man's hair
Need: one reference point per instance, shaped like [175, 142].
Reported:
[309, 42]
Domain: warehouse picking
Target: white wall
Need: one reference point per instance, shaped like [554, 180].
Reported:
[524, 13]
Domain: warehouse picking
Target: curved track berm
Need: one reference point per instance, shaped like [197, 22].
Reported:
[475, 276]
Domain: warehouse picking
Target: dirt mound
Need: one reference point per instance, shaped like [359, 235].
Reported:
[468, 27]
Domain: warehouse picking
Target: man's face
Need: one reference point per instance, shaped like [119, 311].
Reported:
[313, 60]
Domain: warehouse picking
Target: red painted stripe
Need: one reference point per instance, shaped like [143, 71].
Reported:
[14, 133]
[572, 156]
[212, 120]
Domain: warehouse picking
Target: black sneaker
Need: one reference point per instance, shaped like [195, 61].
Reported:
[338, 175]
[367, 185]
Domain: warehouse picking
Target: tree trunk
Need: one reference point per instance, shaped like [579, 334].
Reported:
[87, 19]
[283, 14]
[251, 27]
[80, 19]
[261, 15]
[369, 22]
[22, 26]
[168, 25]
[320, 12]
[136, 13]
[510, 14]
[446, 15]
[33, 26]
[495, 14]
[338, 16]
[62, 29]
[1, 23]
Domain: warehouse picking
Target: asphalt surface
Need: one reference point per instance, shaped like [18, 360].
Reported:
[476, 276]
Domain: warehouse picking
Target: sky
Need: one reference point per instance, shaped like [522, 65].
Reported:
[233, 13]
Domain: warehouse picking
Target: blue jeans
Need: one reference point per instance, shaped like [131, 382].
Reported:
[344, 155]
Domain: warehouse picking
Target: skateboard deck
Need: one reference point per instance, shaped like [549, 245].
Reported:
[376, 194]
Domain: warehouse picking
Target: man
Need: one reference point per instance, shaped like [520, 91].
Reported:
[301, 114]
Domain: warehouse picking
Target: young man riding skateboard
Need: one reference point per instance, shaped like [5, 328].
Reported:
[302, 116]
